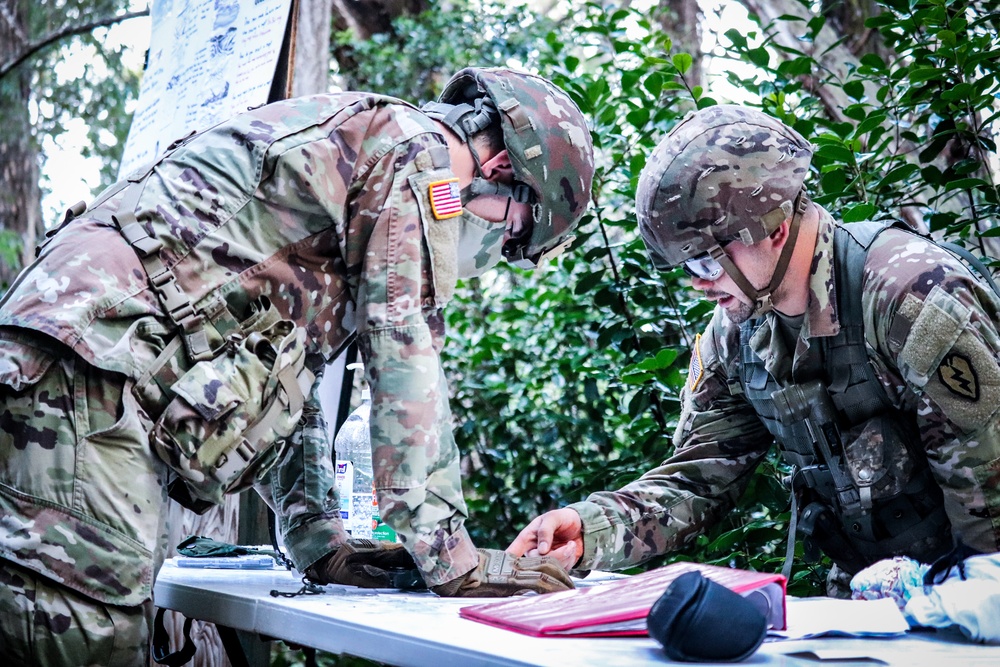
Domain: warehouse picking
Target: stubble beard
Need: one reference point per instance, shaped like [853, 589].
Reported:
[740, 313]
[737, 314]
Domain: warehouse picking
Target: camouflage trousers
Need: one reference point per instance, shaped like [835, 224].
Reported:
[43, 624]
[74, 407]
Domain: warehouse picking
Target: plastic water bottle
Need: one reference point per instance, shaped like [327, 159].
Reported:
[353, 446]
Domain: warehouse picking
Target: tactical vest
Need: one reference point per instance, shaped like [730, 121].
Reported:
[230, 386]
[861, 476]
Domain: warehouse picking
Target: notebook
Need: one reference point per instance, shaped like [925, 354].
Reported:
[620, 607]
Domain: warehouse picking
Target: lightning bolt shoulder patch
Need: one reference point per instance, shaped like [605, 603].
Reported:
[959, 377]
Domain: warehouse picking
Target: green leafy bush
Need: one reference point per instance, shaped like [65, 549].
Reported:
[566, 380]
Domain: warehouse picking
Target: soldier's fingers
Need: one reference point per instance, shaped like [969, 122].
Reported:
[556, 523]
[525, 540]
[568, 554]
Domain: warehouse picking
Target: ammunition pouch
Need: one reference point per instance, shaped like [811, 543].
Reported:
[893, 507]
[822, 532]
[221, 404]
[221, 424]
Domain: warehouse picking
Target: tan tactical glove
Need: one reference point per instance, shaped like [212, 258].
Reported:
[500, 575]
[368, 564]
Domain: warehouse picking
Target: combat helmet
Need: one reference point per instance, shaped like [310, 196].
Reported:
[547, 139]
[724, 173]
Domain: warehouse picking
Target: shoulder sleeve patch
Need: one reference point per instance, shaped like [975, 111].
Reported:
[936, 328]
[440, 232]
[696, 369]
[446, 199]
[958, 375]
[946, 358]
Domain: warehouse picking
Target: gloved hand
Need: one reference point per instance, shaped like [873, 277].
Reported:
[500, 574]
[368, 564]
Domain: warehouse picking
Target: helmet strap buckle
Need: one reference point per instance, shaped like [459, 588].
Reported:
[516, 257]
[763, 304]
[557, 249]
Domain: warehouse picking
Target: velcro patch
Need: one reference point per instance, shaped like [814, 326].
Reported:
[446, 200]
[695, 368]
[934, 332]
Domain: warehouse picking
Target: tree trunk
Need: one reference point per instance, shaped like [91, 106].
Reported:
[312, 48]
[847, 17]
[681, 19]
[20, 196]
[827, 48]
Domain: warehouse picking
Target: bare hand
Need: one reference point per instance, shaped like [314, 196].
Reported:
[558, 533]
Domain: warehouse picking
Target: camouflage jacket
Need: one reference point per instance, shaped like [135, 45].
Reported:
[931, 333]
[322, 204]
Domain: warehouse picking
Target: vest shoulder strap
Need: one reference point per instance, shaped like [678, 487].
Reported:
[863, 232]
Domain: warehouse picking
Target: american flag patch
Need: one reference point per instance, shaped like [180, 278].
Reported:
[446, 199]
[695, 370]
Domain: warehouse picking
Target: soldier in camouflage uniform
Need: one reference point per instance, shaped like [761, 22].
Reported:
[233, 268]
[869, 354]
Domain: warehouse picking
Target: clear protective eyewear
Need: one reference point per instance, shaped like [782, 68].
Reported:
[703, 266]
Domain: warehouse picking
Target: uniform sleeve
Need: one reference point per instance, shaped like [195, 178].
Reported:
[400, 334]
[719, 443]
[301, 489]
[934, 328]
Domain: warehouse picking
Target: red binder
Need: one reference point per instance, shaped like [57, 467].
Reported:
[620, 607]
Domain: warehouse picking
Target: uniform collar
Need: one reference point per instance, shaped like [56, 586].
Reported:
[821, 312]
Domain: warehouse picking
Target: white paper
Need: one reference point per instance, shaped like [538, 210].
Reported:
[208, 60]
[814, 617]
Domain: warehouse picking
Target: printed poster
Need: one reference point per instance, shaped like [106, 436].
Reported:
[208, 60]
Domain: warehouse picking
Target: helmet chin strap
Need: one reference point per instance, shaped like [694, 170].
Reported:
[467, 120]
[762, 298]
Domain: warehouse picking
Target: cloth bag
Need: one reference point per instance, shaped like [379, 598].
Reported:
[698, 620]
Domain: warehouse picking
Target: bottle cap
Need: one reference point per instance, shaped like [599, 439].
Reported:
[366, 394]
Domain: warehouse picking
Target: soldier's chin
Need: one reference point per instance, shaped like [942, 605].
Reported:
[737, 311]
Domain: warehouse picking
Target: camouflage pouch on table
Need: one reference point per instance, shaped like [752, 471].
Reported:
[227, 419]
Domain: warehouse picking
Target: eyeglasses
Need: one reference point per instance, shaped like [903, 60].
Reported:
[704, 267]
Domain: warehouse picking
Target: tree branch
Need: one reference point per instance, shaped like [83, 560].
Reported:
[69, 31]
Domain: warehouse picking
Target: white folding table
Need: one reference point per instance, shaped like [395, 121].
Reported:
[423, 630]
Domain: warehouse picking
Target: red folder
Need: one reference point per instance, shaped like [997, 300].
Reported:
[620, 607]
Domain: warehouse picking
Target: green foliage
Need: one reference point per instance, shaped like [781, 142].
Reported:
[415, 59]
[566, 380]
[100, 91]
[10, 252]
[913, 139]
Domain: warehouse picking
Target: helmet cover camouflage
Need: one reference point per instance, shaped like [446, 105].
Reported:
[548, 142]
[725, 172]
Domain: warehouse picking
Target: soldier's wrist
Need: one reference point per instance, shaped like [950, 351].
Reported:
[451, 587]
[595, 527]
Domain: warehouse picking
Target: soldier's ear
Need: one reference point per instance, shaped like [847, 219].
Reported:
[779, 236]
